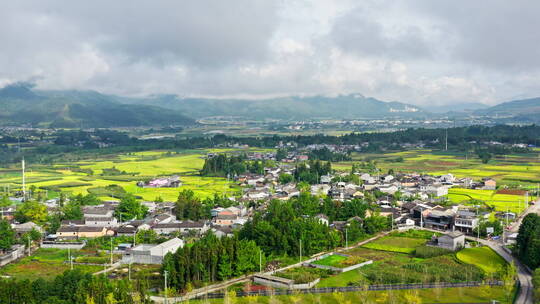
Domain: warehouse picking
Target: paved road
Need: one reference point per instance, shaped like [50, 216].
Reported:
[524, 275]
[531, 209]
[215, 287]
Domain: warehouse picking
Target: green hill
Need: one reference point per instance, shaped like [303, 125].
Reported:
[65, 109]
[353, 106]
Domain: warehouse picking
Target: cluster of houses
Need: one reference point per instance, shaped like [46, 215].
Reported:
[99, 221]
[415, 196]
[161, 182]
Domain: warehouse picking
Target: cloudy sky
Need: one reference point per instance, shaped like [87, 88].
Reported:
[417, 51]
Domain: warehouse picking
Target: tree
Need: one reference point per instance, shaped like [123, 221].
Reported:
[129, 208]
[285, 178]
[4, 201]
[72, 210]
[33, 235]
[7, 235]
[31, 211]
[190, 207]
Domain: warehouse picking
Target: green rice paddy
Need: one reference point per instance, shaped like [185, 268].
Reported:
[482, 257]
[69, 178]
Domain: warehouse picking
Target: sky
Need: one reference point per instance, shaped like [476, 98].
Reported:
[423, 52]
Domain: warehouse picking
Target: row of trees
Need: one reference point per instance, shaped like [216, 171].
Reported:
[327, 155]
[528, 241]
[462, 139]
[285, 225]
[74, 287]
[211, 259]
[190, 207]
[312, 171]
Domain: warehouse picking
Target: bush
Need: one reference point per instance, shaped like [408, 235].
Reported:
[425, 252]
[302, 275]
[416, 234]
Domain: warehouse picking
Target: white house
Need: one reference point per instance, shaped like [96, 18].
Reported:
[150, 253]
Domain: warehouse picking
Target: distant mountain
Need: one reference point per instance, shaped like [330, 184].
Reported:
[64, 109]
[456, 107]
[515, 107]
[353, 106]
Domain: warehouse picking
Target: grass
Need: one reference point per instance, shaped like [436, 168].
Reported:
[302, 275]
[333, 260]
[442, 295]
[482, 257]
[45, 263]
[395, 244]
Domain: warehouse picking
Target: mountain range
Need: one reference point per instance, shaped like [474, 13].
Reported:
[21, 104]
[287, 108]
[66, 109]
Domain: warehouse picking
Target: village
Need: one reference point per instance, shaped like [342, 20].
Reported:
[409, 200]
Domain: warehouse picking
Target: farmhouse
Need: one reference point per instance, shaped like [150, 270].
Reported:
[162, 182]
[465, 221]
[452, 241]
[489, 184]
[98, 212]
[151, 254]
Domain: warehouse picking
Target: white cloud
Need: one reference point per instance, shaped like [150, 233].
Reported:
[418, 51]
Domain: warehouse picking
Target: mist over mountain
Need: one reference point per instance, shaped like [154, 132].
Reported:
[65, 109]
[456, 107]
[21, 104]
[352, 106]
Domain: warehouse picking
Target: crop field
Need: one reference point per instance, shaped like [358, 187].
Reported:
[90, 175]
[443, 295]
[395, 244]
[333, 260]
[512, 170]
[45, 263]
[395, 261]
[482, 257]
[501, 202]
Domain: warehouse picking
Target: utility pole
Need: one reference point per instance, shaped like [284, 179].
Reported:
[129, 267]
[446, 141]
[69, 256]
[478, 237]
[421, 220]
[111, 253]
[165, 273]
[260, 260]
[300, 250]
[23, 180]
[134, 237]
[346, 238]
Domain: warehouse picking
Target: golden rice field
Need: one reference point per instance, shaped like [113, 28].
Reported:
[138, 166]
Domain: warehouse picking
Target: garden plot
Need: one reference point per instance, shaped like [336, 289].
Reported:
[395, 244]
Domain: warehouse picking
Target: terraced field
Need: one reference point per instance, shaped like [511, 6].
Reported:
[45, 263]
[512, 170]
[81, 176]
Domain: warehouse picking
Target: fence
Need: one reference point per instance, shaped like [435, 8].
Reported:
[279, 292]
[336, 269]
[63, 245]
[17, 252]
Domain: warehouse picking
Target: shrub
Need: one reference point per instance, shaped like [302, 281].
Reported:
[425, 252]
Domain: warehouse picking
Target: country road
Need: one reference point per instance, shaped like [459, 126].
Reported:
[215, 287]
[524, 276]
